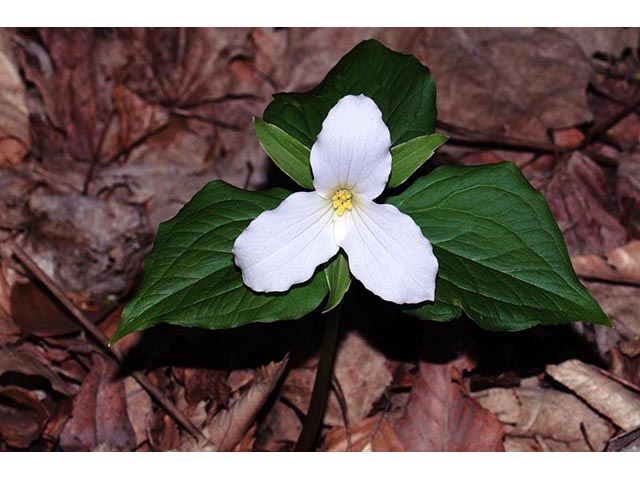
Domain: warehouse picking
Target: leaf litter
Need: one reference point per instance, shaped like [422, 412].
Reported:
[104, 133]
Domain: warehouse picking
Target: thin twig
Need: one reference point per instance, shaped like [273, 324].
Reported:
[344, 409]
[103, 342]
[181, 112]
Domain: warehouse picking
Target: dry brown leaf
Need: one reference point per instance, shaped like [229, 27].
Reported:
[484, 78]
[625, 361]
[228, 427]
[23, 416]
[203, 384]
[373, 434]
[628, 189]
[603, 393]
[361, 371]
[441, 417]
[594, 267]
[139, 409]
[35, 400]
[99, 418]
[483, 75]
[280, 429]
[27, 360]
[568, 138]
[626, 260]
[133, 120]
[602, 39]
[626, 133]
[14, 115]
[546, 419]
[579, 199]
[621, 304]
[625, 442]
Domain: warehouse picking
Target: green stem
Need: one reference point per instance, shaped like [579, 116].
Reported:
[322, 384]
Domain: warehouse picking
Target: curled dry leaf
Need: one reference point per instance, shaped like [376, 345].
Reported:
[14, 115]
[613, 399]
[99, 418]
[27, 360]
[440, 415]
[539, 419]
[23, 416]
[34, 400]
[228, 427]
[139, 409]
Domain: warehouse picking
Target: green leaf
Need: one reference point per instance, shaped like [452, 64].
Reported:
[502, 257]
[288, 153]
[190, 278]
[409, 156]
[399, 84]
[338, 279]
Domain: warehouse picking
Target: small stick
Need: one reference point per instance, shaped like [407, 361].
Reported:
[102, 340]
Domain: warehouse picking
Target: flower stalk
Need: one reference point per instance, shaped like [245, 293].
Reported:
[322, 384]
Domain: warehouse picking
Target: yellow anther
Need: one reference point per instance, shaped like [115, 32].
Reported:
[341, 200]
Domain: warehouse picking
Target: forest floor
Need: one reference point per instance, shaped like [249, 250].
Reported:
[105, 133]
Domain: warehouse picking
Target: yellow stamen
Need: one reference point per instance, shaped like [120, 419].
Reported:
[341, 200]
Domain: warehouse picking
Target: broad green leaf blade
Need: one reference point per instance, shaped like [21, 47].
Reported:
[190, 278]
[409, 156]
[288, 153]
[400, 85]
[338, 279]
[502, 256]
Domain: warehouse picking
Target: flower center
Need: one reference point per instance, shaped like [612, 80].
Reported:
[341, 200]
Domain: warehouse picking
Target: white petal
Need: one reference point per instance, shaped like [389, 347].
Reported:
[352, 149]
[389, 254]
[283, 247]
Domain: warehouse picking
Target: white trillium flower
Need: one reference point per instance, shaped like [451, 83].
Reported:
[351, 163]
